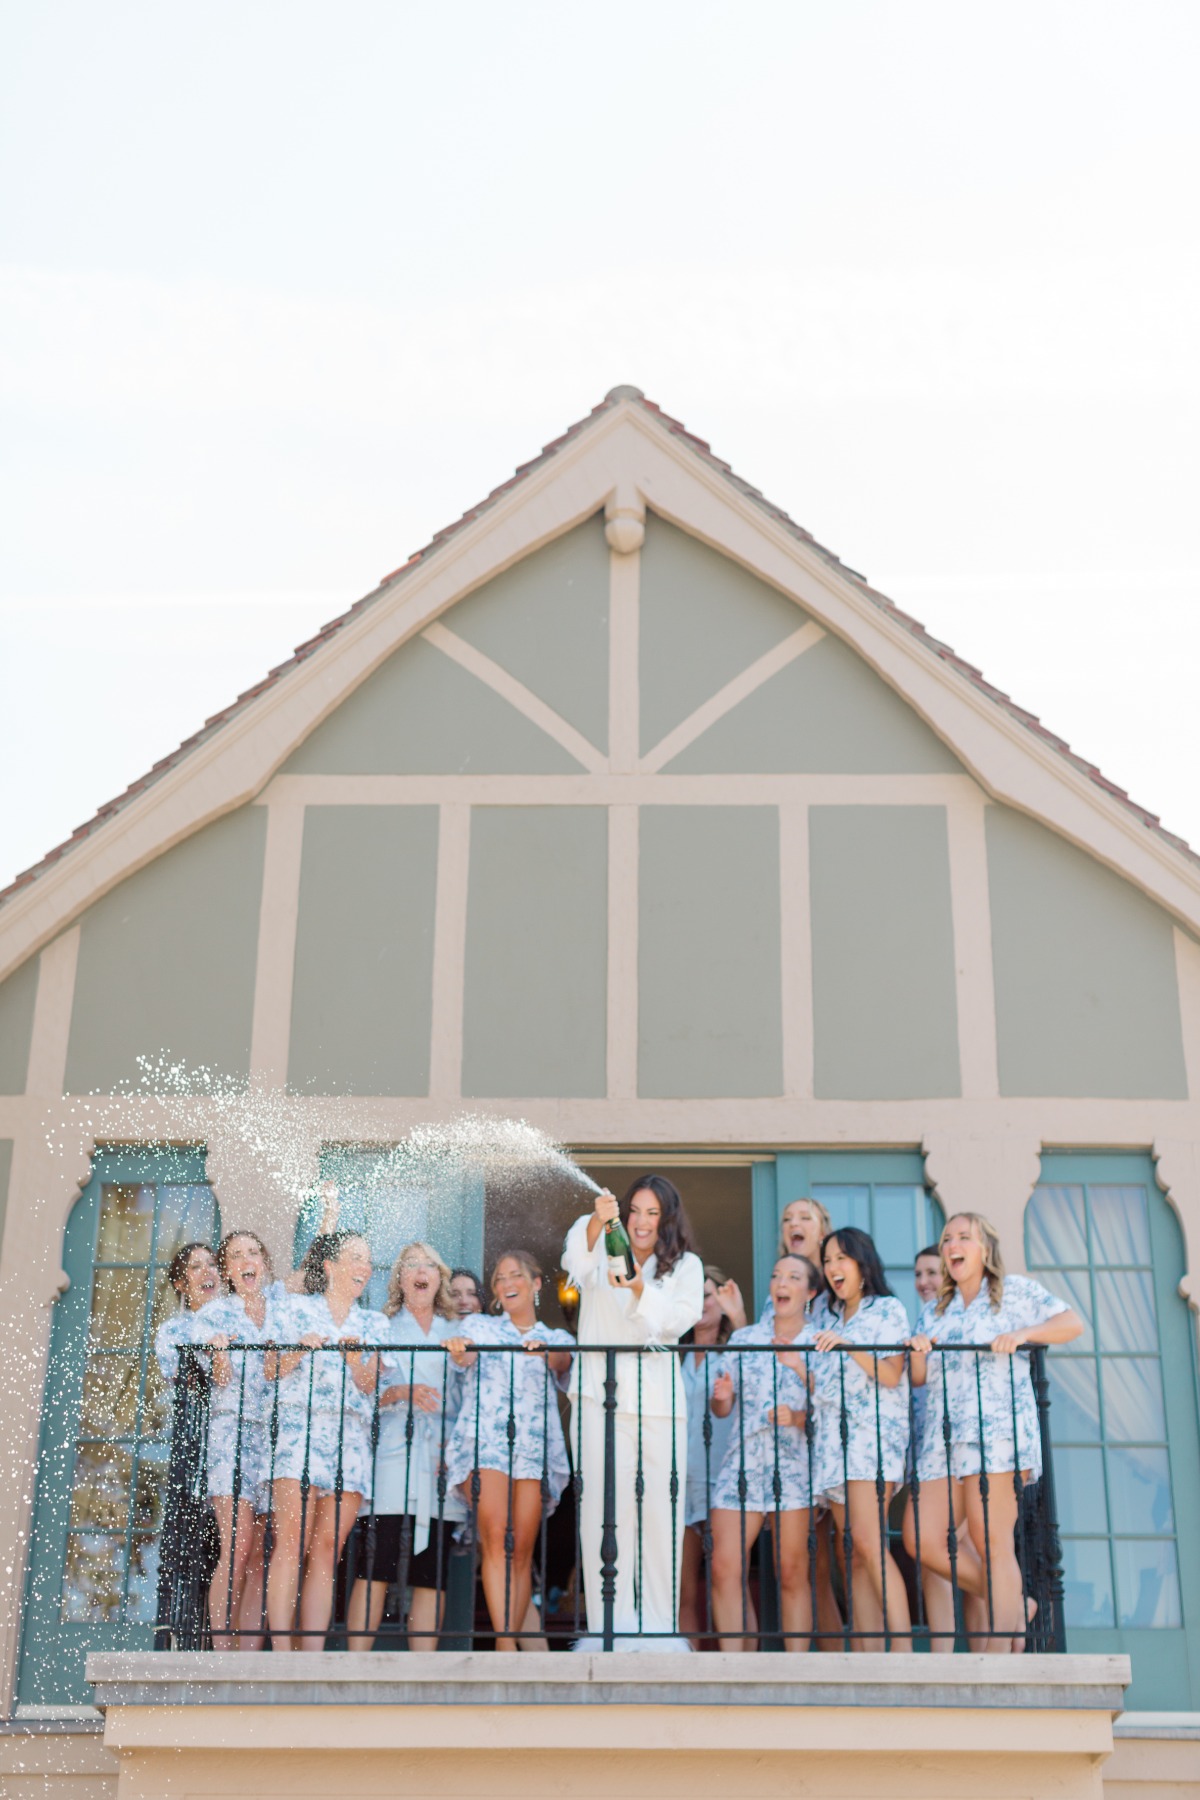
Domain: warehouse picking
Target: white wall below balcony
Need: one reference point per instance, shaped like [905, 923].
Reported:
[315, 1725]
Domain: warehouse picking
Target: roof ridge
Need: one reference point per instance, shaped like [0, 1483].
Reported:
[701, 449]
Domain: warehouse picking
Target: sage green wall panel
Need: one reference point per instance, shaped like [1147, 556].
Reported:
[535, 1014]
[545, 620]
[363, 983]
[422, 714]
[17, 997]
[826, 713]
[6, 1150]
[167, 960]
[885, 1019]
[703, 620]
[1087, 1001]
[708, 952]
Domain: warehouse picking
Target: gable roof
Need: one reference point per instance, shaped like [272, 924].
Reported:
[220, 722]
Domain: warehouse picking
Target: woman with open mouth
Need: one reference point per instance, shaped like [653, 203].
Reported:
[765, 1475]
[418, 1388]
[993, 1420]
[324, 1402]
[701, 1363]
[237, 1439]
[189, 1529]
[508, 1442]
[861, 1399]
[646, 1298]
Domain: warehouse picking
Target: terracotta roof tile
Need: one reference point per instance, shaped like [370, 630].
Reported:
[700, 448]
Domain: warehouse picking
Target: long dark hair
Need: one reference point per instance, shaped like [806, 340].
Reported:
[223, 1252]
[177, 1268]
[674, 1229]
[859, 1246]
[325, 1248]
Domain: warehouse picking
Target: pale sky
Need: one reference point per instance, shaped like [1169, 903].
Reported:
[286, 287]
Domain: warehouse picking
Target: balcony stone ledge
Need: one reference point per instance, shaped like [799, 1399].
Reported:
[475, 1679]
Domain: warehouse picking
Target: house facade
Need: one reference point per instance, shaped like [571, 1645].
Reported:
[625, 809]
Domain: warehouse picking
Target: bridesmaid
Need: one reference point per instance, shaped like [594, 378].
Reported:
[510, 1391]
[986, 1396]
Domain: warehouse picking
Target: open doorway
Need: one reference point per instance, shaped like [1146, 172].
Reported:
[716, 1193]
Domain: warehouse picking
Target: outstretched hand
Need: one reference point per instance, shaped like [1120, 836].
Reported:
[606, 1207]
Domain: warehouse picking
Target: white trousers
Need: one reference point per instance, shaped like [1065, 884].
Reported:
[647, 1588]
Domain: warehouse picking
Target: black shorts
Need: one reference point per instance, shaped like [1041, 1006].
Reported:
[384, 1567]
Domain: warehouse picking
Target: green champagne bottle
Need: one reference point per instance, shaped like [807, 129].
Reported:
[619, 1250]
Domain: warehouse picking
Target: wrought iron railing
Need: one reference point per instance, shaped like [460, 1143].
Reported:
[193, 1608]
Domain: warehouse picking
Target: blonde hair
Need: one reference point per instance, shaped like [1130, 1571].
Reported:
[528, 1262]
[993, 1262]
[443, 1302]
[823, 1220]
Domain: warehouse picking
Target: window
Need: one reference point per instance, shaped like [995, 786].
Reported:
[1123, 1410]
[103, 1459]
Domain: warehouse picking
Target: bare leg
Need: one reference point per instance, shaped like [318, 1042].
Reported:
[531, 1637]
[1006, 1608]
[693, 1607]
[332, 1521]
[733, 1613]
[875, 1568]
[229, 1577]
[829, 1618]
[424, 1619]
[363, 1617]
[790, 1531]
[283, 1576]
[250, 1613]
[507, 1584]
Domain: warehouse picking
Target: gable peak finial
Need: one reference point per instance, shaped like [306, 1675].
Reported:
[625, 393]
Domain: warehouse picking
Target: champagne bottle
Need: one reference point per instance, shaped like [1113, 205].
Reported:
[619, 1250]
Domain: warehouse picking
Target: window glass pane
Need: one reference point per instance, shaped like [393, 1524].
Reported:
[905, 1289]
[1074, 1288]
[94, 1577]
[100, 1499]
[897, 1219]
[118, 1308]
[1120, 1225]
[1074, 1401]
[151, 1486]
[110, 1395]
[1125, 1316]
[845, 1205]
[1087, 1582]
[164, 1305]
[1079, 1482]
[1147, 1582]
[156, 1401]
[186, 1215]
[1139, 1490]
[126, 1222]
[143, 1580]
[1055, 1232]
[1133, 1399]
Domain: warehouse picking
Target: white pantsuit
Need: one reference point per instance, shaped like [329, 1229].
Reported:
[648, 1562]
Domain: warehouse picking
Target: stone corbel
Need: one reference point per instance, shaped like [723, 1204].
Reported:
[993, 1174]
[1177, 1166]
[625, 519]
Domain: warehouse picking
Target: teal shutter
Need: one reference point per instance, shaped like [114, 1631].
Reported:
[1123, 1420]
[880, 1191]
[93, 1563]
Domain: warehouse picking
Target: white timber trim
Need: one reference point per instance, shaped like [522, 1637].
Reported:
[613, 789]
[624, 628]
[517, 694]
[275, 968]
[1187, 970]
[795, 951]
[731, 695]
[449, 952]
[51, 1031]
[623, 888]
[624, 447]
[974, 980]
